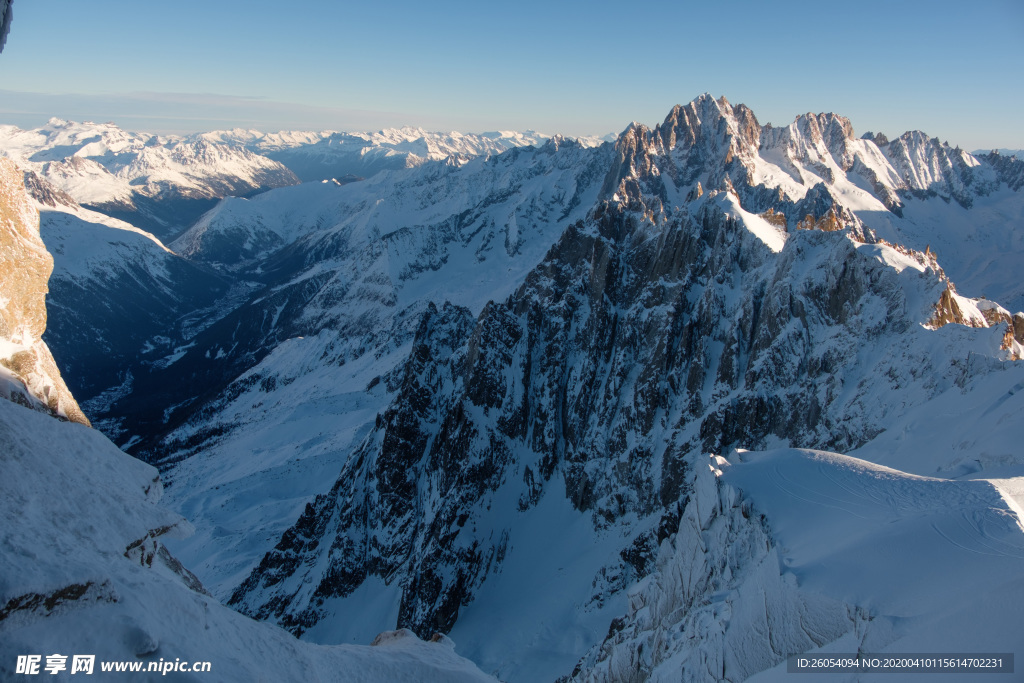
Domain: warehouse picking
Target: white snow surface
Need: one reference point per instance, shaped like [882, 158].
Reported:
[872, 536]
[938, 563]
[70, 505]
[246, 490]
[543, 592]
[87, 243]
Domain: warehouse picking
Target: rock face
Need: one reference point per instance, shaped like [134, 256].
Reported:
[5, 21]
[631, 347]
[28, 374]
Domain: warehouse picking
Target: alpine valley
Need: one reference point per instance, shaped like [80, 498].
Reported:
[670, 406]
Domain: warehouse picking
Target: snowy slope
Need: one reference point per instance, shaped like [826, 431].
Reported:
[84, 573]
[904, 547]
[845, 523]
[809, 551]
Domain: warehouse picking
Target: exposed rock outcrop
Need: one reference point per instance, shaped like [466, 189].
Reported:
[28, 374]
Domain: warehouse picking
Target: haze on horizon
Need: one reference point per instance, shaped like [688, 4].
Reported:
[572, 68]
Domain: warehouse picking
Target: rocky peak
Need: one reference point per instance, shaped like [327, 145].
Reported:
[1010, 169]
[44, 192]
[878, 138]
[716, 130]
[928, 167]
[813, 137]
[707, 140]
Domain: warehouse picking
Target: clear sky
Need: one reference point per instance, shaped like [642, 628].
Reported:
[954, 69]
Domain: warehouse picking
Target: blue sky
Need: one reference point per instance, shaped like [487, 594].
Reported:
[952, 69]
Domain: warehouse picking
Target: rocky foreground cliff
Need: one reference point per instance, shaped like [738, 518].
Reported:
[28, 374]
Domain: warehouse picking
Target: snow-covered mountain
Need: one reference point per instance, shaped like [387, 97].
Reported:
[84, 570]
[478, 397]
[160, 183]
[164, 183]
[585, 398]
[345, 156]
[331, 321]
[354, 265]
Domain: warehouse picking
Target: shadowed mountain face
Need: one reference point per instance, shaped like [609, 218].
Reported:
[478, 396]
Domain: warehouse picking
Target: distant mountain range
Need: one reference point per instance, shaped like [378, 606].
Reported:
[347, 156]
[164, 183]
[1002, 150]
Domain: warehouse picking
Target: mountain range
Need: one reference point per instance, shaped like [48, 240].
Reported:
[668, 407]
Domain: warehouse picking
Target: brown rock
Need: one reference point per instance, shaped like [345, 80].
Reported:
[25, 267]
